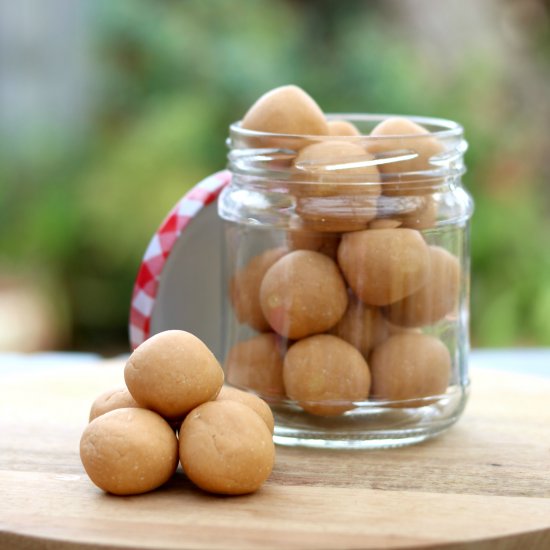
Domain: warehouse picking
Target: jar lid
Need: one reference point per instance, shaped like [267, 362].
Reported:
[178, 281]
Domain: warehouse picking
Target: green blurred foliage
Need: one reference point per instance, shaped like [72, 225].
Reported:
[170, 77]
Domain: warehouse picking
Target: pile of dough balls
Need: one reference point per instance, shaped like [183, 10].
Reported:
[340, 308]
[173, 409]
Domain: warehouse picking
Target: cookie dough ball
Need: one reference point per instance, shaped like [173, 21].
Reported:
[226, 448]
[259, 406]
[438, 296]
[116, 398]
[400, 136]
[172, 372]
[342, 128]
[257, 364]
[300, 238]
[423, 217]
[326, 375]
[362, 326]
[345, 199]
[384, 265]
[244, 289]
[408, 367]
[303, 293]
[286, 110]
[129, 451]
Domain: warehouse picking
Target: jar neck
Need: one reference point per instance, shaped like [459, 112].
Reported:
[429, 160]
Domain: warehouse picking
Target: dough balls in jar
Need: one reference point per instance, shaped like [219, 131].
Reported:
[129, 451]
[244, 289]
[226, 448]
[410, 367]
[303, 293]
[342, 128]
[362, 326]
[257, 364]
[399, 137]
[435, 299]
[384, 265]
[172, 372]
[116, 398]
[326, 375]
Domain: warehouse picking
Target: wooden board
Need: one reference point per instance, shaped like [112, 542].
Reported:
[484, 484]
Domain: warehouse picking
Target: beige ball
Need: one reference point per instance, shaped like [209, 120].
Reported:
[129, 451]
[257, 364]
[258, 405]
[423, 217]
[403, 136]
[226, 448]
[286, 110]
[342, 128]
[300, 238]
[244, 289]
[326, 375]
[172, 372]
[303, 293]
[437, 297]
[342, 189]
[362, 326]
[410, 366]
[116, 398]
[384, 265]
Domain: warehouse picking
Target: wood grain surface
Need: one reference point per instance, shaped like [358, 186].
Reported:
[484, 484]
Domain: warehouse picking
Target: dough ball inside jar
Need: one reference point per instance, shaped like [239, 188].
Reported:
[257, 364]
[410, 367]
[244, 289]
[115, 398]
[285, 110]
[384, 265]
[340, 186]
[362, 326]
[226, 448]
[435, 299]
[301, 238]
[258, 405]
[401, 136]
[172, 372]
[303, 293]
[129, 451]
[326, 375]
[423, 217]
[342, 128]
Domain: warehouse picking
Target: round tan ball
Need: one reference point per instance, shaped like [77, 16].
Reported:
[258, 405]
[226, 448]
[342, 128]
[300, 238]
[244, 289]
[303, 293]
[129, 451]
[286, 110]
[362, 326]
[384, 265]
[116, 398]
[257, 364]
[172, 372]
[326, 375]
[438, 296]
[408, 367]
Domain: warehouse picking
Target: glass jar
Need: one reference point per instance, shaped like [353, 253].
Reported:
[346, 277]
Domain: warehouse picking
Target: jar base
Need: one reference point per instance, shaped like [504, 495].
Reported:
[369, 427]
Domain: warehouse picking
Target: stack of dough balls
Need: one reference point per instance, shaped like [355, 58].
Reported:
[173, 409]
[341, 310]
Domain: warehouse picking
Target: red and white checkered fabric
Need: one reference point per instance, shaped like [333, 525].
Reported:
[160, 246]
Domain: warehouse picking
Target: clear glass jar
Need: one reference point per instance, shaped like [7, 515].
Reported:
[346, 277]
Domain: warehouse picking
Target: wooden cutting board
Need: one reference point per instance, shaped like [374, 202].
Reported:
[484, 484]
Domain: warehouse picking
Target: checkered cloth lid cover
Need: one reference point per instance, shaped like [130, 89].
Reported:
[160, 246]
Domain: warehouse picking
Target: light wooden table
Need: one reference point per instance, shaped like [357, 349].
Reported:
[485, 484]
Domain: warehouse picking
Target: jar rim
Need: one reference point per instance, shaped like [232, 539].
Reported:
[442, 128]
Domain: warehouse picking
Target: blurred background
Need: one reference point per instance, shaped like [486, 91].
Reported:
[109, 111]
